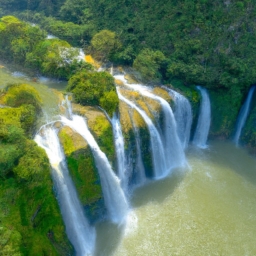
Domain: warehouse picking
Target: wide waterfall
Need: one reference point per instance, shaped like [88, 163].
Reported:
[114, 198]
[160, 169]
[243, 115]
[204, 120]
[174, 153]
[120, 152]
[183, 116]
[79, 232]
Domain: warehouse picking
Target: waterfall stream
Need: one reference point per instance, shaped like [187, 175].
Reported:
[174, 153]
[159, 163]
[204, 120]
[183, 116]
[79, 232]
[115, 201]
[120, 153]
[243, 115]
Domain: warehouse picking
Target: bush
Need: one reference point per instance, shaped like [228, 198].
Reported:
[20, 94]
[94, 88]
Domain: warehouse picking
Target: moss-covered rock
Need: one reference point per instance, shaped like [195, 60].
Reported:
[132, 122]
[83, 171]
[100, 127]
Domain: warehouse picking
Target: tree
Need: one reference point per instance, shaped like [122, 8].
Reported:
[149, 63]
[94, 88]
[105, 44]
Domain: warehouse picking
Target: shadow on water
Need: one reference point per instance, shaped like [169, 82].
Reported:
[237, 159]
[157, 191]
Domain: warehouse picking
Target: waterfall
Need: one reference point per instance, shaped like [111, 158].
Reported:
[120, 152]
[183, 116]
[204, 120]
[67, 105]
[243, 115]
[79, 232]
[114, 198]
[140, 170]
[157, 148]
[174, 153]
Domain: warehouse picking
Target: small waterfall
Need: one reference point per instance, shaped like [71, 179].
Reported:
[183, 116]
[115, 201]
[243, 115]
[120, 152]
[79, 232]
[159, 162]
[140, 170]
[204, 120]
[67, 105]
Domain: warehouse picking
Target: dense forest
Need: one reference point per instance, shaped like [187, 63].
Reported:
[177, 43]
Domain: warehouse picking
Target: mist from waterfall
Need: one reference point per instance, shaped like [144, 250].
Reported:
[204, 120]
[244, 111]
[80, 233]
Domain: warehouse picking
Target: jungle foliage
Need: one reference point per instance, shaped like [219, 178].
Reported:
[28, 205]
[28, 45]
[205, 42]
[94, 89]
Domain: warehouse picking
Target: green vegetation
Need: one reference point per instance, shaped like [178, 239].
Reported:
[95, 89]
[31, 223]
[86, 180]
[27, 45]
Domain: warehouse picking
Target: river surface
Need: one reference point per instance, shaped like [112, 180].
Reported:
[207, 210]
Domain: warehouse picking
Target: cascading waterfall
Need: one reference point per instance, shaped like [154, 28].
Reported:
[174, 153]
[79, 232]
[183, 116]
[159, 163]
[243, 115]
[204, 120]
[67, 104]
[140, 170]
[114, 198]
[120, 152]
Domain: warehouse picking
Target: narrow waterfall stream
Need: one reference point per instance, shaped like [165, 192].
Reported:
[115, 201]
[120, 153]
[160, 168]
[204, 120]
[243, 115]
[183, 116]
[79, 232]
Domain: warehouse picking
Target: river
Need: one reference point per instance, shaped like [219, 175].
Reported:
[207, 210]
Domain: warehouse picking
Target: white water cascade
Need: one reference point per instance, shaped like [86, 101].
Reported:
[79, 232]
[140, 170]
[243, 115]
[174, 153]
[204, 120]
[114, 198]
[183, 116]
[120, 152]
[159, 163]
